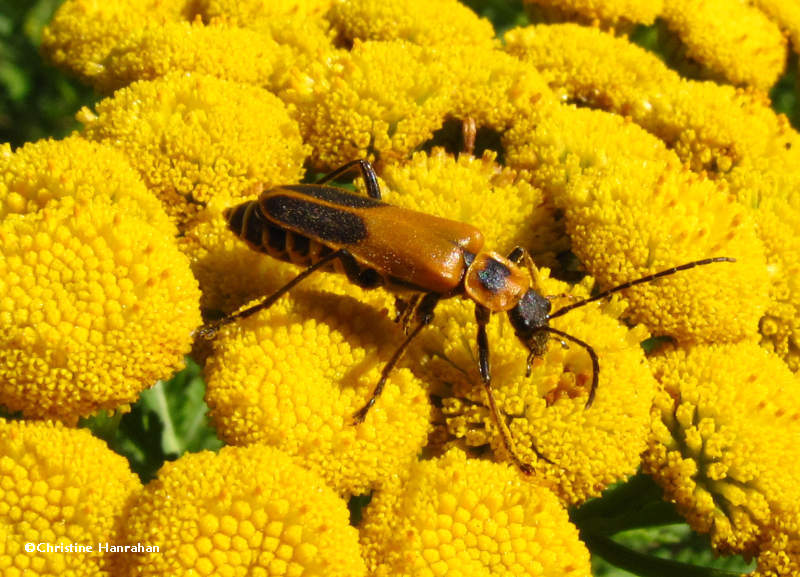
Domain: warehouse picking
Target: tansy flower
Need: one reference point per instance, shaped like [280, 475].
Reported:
[83, 32]
[492, 88]
[59, 486]
[501, 202]
[298, 26]
[744, 47]
[585, 64]
[614, 13]
[220, 50]
[786, 14]
[46, 170]
[427, 22]
[562, 144]
[632, 210]
[588, 449]
[460, 516]
[380, 99]
[724, 442]
[711, 127]
[193, 137]
[242, 511]
[96, 304]
[293, 377]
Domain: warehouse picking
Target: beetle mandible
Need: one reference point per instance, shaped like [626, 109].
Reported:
[408, 252]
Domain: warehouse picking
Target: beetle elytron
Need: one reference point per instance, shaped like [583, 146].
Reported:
[406, 252]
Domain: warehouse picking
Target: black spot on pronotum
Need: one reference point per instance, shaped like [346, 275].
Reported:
[493, 276]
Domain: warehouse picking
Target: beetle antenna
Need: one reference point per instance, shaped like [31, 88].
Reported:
[643, 280]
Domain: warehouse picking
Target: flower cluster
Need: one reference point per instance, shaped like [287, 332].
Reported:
[568, 141]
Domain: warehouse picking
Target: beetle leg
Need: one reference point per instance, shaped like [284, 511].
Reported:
[592, 356]
[469, 131]
[370, 179]
[425, 315]
[210, 330]
[482, 315]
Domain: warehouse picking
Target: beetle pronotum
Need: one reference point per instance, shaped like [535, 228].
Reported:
[407, 252]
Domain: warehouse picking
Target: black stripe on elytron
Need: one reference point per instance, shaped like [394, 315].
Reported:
[318, 220]
[493, 276]
[335, 195]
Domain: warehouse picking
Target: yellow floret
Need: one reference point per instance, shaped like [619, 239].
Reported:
[381, 99]
[38, 172]
[220, 50]
[242, 511]
[588, 448]
[730, 39]
[779, 556]
[724, 442]
[609, 13]
[460, 516]
[193, 137]
[96, 304]
[83, 32]
[501, 202]
[59, 487]
[293, 377]
[427, 22]
[632, 210]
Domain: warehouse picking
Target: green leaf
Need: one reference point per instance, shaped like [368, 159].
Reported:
[168, 420]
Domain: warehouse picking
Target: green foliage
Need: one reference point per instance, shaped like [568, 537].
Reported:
[168, 420]
[36, 100]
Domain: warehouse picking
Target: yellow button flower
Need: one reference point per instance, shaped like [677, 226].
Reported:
[95, 305]
[219, 49]
[724, 443]
[470, 517]
[83, 32]
[294, 375]
[242, 511]
[193, 136]
[59, 487]
[744, 47]
[298, 26]
[588, 449]
[426, 22]
[380, 99]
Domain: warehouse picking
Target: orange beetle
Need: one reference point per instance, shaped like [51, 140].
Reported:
[406, 252]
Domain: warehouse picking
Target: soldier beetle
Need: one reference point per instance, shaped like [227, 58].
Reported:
[376, 244]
